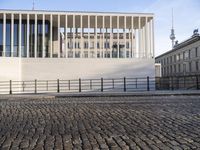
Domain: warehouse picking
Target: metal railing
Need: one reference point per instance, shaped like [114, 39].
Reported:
[78, 85]
[178, 82]
[101, 85]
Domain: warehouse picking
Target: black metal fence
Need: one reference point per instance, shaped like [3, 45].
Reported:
[178, 83]
[79, 85]
[101, 85]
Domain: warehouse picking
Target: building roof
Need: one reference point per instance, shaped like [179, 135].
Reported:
[189, 41]
[91, 12]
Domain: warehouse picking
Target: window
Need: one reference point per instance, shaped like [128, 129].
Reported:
[190, 66]
[85, 45]
[8, 38]
[197, 66]
[174, 58]
[179, 68]
[85, 54]
[127, 45]
[170, 69]
[98, 46]
[196, 51]
[170, 59]
[77, 54]
[178, 57]
[174, 68]
[189, 54]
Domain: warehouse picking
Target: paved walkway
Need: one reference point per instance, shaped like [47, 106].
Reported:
[153, 122]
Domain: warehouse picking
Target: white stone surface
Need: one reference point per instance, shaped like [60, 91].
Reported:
[62, 68]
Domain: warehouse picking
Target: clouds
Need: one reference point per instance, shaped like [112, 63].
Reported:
[186, 18]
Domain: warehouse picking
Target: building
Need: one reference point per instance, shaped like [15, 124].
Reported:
[41, 44]
[183, 59]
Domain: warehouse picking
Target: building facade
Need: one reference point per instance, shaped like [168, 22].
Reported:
[55, 44]
[183, 59]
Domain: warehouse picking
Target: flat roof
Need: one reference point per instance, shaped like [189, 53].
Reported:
[61, 11]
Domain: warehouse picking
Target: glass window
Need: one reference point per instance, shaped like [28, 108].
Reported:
[8, 38]
[23, 38]
[174, 68]
[196, 51]
[197, 66]
[39, 39]
[32, 38]
[190, 66]
[189, 54]
[16, 38]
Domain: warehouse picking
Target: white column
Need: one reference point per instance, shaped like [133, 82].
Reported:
[143, 42]
[103, 33]
[28, 29]
[66, 37]
[118, 36]
[73, 32]
[58, 47]
[139, 37]
[111, 37]
[132, 35]
[12, 32]
[4, 35]
[35, 36]
[81, 40]
[43, 36]
[88, 36]
[124, 36]
[150, 37]
[51, 28]
[95, 43]
[20, 35]
[153, 46]
[146, 38]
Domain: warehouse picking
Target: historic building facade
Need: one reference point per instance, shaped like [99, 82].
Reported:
[183, 59]
[55, 44]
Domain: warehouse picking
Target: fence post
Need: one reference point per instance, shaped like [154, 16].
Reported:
[79, 84]
[35, 86]
[90, 84]
[47, 86]
[136, 83]
[148, 83]
[101, 84]
[69, 85]
[197, 82]
[113, 83]
[124, 84]
[10, 87]
[58, 86]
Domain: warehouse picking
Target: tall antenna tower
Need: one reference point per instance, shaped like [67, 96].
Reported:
[33, 8]
[172, 35]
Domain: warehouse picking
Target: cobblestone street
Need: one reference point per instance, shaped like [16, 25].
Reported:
[159, 122]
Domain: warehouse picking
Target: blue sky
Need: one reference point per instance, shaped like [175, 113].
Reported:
[186, 13]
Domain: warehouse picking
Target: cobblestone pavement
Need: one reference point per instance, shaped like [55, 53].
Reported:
[171, 122]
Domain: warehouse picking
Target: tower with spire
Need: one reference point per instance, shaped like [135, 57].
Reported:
[33, 8]
[172, 35]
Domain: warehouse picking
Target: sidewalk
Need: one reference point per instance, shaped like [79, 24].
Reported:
[106, 94]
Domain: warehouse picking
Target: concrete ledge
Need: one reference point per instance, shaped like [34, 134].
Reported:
[104, 94]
